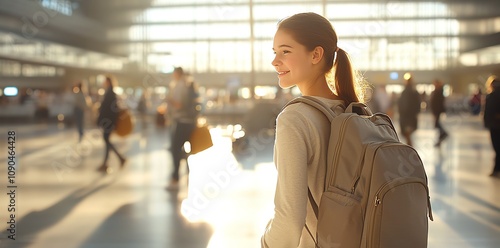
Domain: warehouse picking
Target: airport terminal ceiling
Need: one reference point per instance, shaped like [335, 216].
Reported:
[235, 36]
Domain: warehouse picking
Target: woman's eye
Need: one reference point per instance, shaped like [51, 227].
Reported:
[282, 52]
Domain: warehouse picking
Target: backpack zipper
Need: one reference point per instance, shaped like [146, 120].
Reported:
[398, 181]
[383, 144]
[357, 176]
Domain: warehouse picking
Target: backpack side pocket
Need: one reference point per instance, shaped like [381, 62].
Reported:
[341, 219]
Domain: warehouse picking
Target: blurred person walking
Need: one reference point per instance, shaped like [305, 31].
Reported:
[81, 105]
[182, 109]
[380, 101]
[475, 102]
[43, 100]
[142, 108]
[306, 56]
[408, 108]
[437, 102]
[108, 116]
[492, 120]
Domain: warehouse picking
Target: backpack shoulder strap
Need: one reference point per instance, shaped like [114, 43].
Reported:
[330, 114]
[316, 103]
[358, 108]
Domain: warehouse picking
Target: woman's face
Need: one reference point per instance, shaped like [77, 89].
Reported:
[292, 61]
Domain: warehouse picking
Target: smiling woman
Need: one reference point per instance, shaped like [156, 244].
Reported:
[306, 56]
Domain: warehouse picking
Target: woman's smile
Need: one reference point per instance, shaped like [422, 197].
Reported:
[282, 73]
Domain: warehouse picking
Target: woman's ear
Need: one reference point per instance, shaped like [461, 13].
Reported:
[317, 54]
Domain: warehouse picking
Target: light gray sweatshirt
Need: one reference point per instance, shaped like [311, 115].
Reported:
[300, 152]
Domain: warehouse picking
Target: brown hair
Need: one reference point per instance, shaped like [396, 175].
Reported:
[313, 30]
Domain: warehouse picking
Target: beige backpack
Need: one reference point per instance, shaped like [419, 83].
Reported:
[376, 192]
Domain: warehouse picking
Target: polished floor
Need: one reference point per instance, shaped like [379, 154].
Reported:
[62, 201]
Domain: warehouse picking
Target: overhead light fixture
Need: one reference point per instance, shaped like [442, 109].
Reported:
[10, 91]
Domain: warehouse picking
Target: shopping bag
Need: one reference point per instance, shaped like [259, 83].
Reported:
[124, 123]
[200, 139]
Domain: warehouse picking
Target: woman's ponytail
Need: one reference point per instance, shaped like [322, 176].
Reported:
[345, 78]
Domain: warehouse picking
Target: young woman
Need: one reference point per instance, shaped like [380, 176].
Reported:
[307, 56]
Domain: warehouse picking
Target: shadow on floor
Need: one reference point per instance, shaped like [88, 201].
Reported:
[28, 227]
[471, 231]
[149, 224]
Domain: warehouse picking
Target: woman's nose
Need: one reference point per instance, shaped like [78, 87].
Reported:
[275, 61]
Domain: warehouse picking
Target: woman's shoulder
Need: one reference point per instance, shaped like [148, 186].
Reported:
[302, 112]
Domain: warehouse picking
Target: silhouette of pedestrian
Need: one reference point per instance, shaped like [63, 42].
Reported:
[492, 121]
[409, 107]
[438, 107]
[81, 105]
[108, 115]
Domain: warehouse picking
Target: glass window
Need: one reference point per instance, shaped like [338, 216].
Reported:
[196, 14]
[61, 6]
[188, 32]
[230, 56]
[214, 35]
[288, 1]
[278, 12]
[265, 30]
[353, 11]
[423, 9]
[10, 68]
[38, 71]
[215, 2]
[263, 55]
[204, 56]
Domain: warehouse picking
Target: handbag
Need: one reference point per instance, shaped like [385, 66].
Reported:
[124, 123]
[200, 139]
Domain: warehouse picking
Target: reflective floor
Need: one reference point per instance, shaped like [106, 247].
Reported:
[62, 201]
